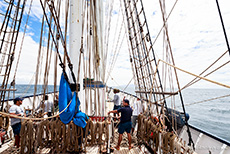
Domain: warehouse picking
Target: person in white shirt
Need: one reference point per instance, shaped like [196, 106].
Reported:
[137, 109]
[48, 105]
[116, 100]
[16, 122]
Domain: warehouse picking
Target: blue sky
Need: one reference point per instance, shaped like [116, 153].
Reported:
[195, 32]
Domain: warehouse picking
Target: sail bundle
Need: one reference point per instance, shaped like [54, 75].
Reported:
[60, 137]
[69, 105]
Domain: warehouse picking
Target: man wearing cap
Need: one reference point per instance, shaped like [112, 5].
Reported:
[125, 122]
[16, 122]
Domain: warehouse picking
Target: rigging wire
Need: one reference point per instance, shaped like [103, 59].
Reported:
[114, 50]
[115, 82]
[47, 62]
[207, 100]
[215, 82]
[107, 27]
[222, 22]
[12, 47]
[20, 50]
[167, 71]
[66, 27]
[54, 14]
[128, 84]
[136, 27]
[16, 67]
[119, 50]
[38, 60]
[164, 23]
[9, 9]
[198, 79]
[191, 143]
[29, 86]
[131, 51]
[194, 80]
[115, 56]
[49, 50]
[129, 48]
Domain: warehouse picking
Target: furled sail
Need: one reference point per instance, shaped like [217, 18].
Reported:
[67, 101]
[69, 105]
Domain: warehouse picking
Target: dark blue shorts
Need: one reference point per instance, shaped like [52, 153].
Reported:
[16, 128]
[116, 107]
[125, 127]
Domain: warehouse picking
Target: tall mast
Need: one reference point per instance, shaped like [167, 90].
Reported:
[75, 31]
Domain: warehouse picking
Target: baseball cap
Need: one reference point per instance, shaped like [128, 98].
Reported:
[126, 101]
[18, 99]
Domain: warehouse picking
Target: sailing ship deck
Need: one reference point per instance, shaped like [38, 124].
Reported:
[8, 148]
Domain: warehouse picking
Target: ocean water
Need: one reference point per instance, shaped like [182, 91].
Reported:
[211, 116]
[28, 90]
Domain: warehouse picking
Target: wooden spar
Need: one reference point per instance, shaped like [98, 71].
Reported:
[8, 89]
[160, 93]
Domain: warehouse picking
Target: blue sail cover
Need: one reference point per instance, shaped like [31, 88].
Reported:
[80, 119]
[65, 96]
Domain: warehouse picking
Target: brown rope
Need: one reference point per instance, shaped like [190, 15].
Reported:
[217, 83]
[4, 122]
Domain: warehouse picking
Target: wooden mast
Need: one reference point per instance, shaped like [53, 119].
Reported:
[75, 33]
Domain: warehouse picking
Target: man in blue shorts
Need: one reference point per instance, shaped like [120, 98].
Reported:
[125, 122]
[16, 122]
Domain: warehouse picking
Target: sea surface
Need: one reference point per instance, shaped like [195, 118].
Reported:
[212, 116]
[28, 90]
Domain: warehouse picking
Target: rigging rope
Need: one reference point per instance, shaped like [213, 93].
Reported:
[181, 98]
[12, 47]
[54, 14]
[164, 23]
[128, 84]
[20, 50]
[129, 48]
[222, 22]
[197, 76]
[193, 81]
[217, 83]
[66, 26]
[198, 79]
[207, 100]
[114, 50]
[107, 28]
[38, 60]
[115, 56]
[27, 118]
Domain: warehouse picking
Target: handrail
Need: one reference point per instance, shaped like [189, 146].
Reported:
[11, 99]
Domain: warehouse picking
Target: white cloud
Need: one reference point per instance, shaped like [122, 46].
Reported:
[195, 32]
[28, 62]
